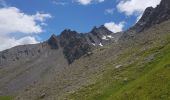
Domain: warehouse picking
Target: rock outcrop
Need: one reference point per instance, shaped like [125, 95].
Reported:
[150, 17]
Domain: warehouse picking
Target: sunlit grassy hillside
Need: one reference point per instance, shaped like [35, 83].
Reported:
[141, 72]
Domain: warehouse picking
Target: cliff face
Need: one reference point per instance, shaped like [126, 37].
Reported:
[74, 45]
[150, 17]
[156, 15]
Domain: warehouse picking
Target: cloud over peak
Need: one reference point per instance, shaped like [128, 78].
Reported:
[131, 7]
[13, 20]
[17, 28]
[112, 26]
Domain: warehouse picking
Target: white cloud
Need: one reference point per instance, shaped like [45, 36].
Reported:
[115, 27]
[12, 20]
[7, 42]
[84, 2]
[87, 2]
[61, 3]
[17, 28]
[27, 40]
[131, 7]
[109, 11]
[41, 17]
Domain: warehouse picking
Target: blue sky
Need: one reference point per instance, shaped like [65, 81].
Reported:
[39, 19]
[75, 16]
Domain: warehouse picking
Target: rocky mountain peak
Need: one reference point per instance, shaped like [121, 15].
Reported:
[150, 17]
[53, 37]
[146, 14]
[140, 25]
[53, 42]
[100, 30]
[95, 28]
[165, 3]
[74, 44]
[154, 16]
[68, 33]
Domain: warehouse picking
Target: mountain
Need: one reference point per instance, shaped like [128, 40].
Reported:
[74, 45]
[101, 36]
[32, 61]
[150, 17]
[98, 65]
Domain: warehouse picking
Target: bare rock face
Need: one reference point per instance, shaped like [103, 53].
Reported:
[53, 42]
[157, 15]
[144, 20]
[99, 36]
[74, 45]
[102, 30]
[151, 16]
[20, 53]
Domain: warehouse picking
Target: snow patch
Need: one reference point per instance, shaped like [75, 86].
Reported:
[93, 44]
[101, 44]
[109, 36]
[105, 38]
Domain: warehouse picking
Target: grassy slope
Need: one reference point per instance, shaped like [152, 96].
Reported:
[6, 97]
[144, 75]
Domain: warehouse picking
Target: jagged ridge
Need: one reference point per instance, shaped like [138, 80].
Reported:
[150, 17]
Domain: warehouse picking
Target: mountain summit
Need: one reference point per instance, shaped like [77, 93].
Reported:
[154, 16]
[150, 17]
[99, 64]
[53, 42]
